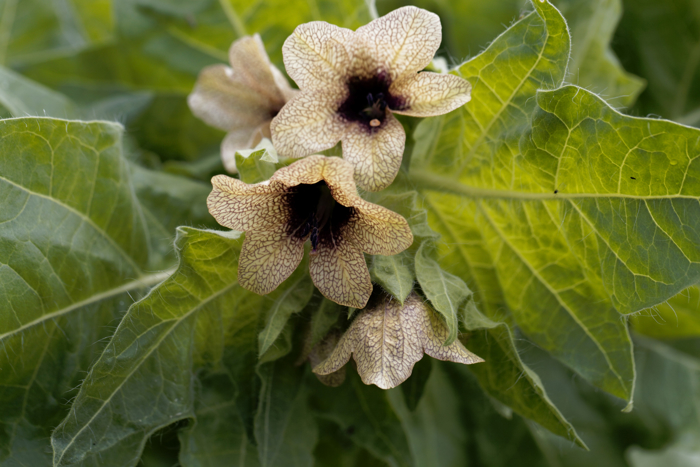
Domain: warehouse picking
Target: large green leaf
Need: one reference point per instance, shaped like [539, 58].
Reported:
[555, 207]
[142, 380]
[660, 41]
[73, 246]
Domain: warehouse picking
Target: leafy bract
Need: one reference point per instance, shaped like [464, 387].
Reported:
[73, 245]
[524, 245]
[445, 291]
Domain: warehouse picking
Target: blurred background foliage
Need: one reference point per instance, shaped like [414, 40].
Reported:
[135, 61]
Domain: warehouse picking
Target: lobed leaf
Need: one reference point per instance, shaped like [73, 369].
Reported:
[514, 238]
[142, 380]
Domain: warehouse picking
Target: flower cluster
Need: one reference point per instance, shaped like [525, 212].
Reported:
[351, 83]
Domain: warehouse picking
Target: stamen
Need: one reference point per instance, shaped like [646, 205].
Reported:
[374, 122]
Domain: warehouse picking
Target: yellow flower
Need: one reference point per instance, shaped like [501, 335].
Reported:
[387, 339]
[241, 99]
[314, 198]
[350, 84]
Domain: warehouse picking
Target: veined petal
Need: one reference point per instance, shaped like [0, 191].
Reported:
[308, 123]
[339, 176]
[376, 153]
[339, 271]
[224, 100]
[388, 338]
[243, 207]
[379, 230]
[237, 140]
[268, 258]
[404, 41]
[252, 66]
[428, 94]
[315, 56]
[308, 170]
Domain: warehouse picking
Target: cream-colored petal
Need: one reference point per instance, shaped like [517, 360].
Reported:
[387, 339]
[307, 124]
[403, 41]
[243, 207]
[226, 103]
[308, 170]
[339, 271]
[428, 94]
[267, 258]
[251, 65]
[339, 175]
[315, 56]
[379, 230]
[376, 152]
[238, 140]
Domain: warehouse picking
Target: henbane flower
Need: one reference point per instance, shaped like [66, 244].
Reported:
[316, 199]
[388, 338]
[350, 84]
[241, 99]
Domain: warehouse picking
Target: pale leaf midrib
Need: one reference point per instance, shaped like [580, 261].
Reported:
[438, 183]
[140, 283]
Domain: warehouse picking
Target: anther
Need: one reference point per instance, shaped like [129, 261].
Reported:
[374, 122]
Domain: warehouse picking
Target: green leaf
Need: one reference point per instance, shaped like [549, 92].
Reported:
[285, 430]
[73, 247]
[677, 318]
[218, 435]
[31, 30]
[504, 376]
[659, 41]
[414, 388]
[394, 274]
[289, 298]
[445, 291]
[467, 25]
[435, 431]
[366, 416]
[523, 244]
[593, 64]
[142, 380]
[22, 97]
[491, 437]
[169, 201]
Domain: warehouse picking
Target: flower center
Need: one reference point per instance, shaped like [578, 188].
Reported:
[367, 101]
[316, 214]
